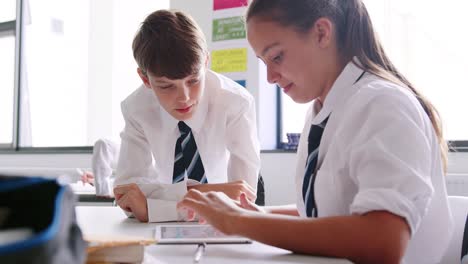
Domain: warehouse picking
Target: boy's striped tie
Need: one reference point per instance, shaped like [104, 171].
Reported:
[187, 158]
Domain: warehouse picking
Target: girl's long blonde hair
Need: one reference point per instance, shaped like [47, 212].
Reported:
[356, 38]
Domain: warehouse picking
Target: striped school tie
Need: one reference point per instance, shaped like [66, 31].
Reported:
[187, 159]
[315, 135]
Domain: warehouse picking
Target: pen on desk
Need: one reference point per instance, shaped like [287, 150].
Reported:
[199, 252]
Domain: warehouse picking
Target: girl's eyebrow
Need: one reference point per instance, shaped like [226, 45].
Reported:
[267, 48]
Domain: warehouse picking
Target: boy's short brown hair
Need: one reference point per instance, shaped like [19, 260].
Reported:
[170, 44]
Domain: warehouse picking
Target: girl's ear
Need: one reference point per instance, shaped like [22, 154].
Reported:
[323, 29]
[144, 78]
[207, 60]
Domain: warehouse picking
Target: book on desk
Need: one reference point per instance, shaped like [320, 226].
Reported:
[116, 249]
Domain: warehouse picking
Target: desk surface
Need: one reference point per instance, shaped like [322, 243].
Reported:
[110, 220]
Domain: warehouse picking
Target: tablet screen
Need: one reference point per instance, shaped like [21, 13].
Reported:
[194, 234]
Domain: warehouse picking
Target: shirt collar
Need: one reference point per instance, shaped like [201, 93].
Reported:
[339, 92]
[196, 121]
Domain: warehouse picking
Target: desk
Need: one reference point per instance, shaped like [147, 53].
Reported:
[87, 195]
[111, 220]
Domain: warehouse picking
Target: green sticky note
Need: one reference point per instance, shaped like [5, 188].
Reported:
[228, 28]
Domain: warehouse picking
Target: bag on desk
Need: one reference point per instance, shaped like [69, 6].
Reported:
[38, 223]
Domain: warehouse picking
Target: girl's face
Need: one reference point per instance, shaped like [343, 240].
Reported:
[302, 64]
[179, 97]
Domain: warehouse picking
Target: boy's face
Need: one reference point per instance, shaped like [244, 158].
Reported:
[178, 97]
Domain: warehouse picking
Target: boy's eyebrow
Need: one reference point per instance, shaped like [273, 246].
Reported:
[168, 81]
[161, 82]
[197, 74]
[159, 79]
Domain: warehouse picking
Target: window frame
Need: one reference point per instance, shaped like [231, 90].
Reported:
[458, 145]
[10, 28]
[15, 26]
[454, 145]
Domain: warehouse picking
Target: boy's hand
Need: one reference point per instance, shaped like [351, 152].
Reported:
[232, 189]
[131, 199]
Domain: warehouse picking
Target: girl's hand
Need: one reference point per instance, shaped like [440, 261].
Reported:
[216, 208]
[232, 189]
[248, 205]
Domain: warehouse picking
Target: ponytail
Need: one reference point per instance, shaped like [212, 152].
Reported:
[356, 38]
[360, 40]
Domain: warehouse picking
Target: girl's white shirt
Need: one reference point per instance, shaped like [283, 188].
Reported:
[379, 151]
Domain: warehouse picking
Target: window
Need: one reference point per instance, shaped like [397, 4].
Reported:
[426, 41]
[76, 67]
[8, 11]
[7, 63]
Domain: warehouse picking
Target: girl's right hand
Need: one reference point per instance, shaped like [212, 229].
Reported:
[245, 203]
[232, 189]
[215, 208]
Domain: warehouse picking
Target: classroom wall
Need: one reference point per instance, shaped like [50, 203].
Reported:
[113, 25]
[277, 170]
[257, 84]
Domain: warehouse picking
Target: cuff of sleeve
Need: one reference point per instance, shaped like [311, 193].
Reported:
[104, 187]
[162, 210]
[391, 201]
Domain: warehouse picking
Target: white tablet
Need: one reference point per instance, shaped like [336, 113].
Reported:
[194, 234]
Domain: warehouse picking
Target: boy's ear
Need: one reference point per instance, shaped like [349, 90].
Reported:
[207, 61]
[144, 78]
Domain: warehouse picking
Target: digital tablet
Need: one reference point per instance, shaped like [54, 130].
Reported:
[194, 234]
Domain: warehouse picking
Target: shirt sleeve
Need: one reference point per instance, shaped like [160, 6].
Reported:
[391, 161]
[162, 200]
[135, 163]
[242, 144]
[104, 156]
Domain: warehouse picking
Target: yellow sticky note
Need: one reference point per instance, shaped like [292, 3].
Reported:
[229, 60]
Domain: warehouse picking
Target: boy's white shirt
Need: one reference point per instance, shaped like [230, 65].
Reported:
[363, 166]
[224, 128]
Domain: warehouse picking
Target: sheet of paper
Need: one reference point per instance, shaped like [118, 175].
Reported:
[169, 192]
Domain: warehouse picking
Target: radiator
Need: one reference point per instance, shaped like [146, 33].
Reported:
[457, 184]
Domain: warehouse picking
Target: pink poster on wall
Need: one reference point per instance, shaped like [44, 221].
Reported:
[224, 4]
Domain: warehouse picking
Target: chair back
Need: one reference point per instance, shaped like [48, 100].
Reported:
[458, 246]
